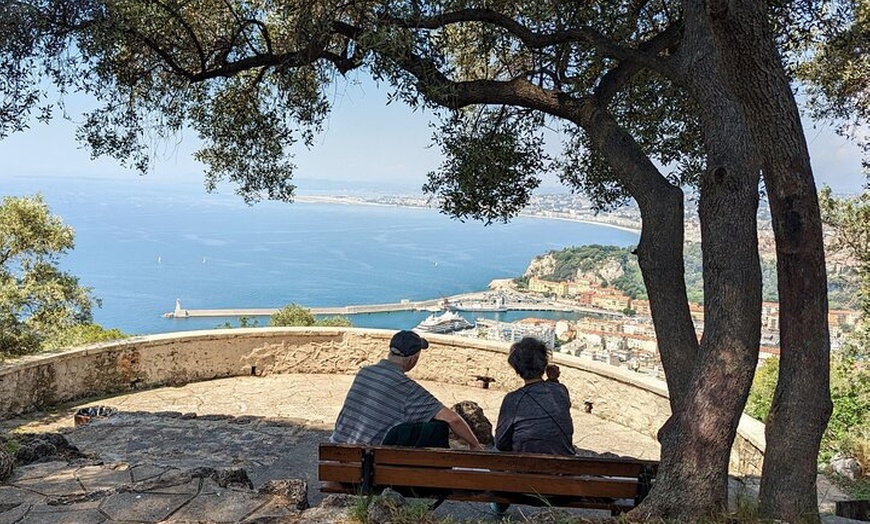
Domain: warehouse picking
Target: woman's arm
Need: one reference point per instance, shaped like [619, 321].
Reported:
[504, 430]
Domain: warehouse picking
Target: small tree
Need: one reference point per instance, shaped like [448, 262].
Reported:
[336, 321]
[38, 301]
[296, 315]
[292, 315]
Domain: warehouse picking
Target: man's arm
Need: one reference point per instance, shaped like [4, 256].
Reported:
[459, 427]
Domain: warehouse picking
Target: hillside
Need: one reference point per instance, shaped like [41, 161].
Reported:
[617, 267]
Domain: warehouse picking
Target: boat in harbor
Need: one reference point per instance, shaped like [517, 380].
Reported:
[497, 306]
[446, 322]
[480, 308]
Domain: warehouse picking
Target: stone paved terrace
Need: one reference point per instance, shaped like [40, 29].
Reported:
[270, 426]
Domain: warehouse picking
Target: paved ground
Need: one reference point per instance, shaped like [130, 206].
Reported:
[155, 461]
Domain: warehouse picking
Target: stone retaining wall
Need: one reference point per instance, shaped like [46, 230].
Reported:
[616, 394]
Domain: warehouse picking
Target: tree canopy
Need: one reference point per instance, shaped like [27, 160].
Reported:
[38, 301]
[836, 72]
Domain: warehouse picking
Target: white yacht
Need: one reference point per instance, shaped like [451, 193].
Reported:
[446, 322]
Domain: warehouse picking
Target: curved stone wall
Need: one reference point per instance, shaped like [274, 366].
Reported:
[616, 394]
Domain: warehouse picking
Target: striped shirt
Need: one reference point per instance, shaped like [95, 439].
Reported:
[381, 397]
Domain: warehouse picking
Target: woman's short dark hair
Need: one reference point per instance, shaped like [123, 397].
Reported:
[528, 357]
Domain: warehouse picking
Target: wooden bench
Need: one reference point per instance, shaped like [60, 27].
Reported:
[615, 484]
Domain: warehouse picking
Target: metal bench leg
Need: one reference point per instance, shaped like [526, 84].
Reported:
[440, 500]
[368, 471]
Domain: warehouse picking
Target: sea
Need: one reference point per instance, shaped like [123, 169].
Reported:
[140, 246]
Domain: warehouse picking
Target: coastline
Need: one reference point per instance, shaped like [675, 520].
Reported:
[349, 200]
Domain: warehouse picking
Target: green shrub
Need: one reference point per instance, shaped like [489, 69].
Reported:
[848, 429]
[763, 386]
[292, 315]
[336, 321]
[296, 315]
[80, 335]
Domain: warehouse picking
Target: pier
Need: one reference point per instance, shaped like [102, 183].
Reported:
[404, 305]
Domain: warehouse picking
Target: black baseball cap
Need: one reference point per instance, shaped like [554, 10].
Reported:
[407, 343]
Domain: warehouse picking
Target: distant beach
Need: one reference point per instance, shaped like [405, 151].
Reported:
[408, 203]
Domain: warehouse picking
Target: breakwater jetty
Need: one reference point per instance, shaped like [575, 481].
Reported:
[404, 305]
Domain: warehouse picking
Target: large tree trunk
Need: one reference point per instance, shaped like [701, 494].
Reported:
[708, 387]
[801, 404]
[697, 440]
[660, 250]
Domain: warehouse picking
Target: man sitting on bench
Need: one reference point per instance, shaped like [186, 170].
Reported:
[385, 406]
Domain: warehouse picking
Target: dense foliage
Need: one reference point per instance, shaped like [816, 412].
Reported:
[834, 66]
[585, 259]
[848, 430]
[39, 303]
[763, 386]
[81, 334]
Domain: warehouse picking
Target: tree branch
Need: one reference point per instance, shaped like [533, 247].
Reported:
[617, 77]
[534, 40]
[188, 29]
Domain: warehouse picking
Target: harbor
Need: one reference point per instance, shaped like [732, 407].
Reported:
[478, 301]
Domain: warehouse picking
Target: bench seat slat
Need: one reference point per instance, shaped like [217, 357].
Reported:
[506, 482]
[340, 452]
[338, 472]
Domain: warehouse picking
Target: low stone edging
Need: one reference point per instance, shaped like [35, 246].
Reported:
[636, 401]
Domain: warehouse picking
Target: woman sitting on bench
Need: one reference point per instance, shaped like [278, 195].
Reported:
[535, 418]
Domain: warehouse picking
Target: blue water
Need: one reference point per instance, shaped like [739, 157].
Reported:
[140, 246]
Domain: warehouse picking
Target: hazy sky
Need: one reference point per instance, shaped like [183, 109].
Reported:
[365, 142]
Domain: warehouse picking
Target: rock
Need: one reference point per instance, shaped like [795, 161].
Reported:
[232, 477]
[40, 447]
[606, 271]
[334, 507]
[338, 500]
[382, 508]
[7, 464]
[473, 415]
[541, 266]
[225, 478]
[846, 467]
[34, 450]
[294, 490]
